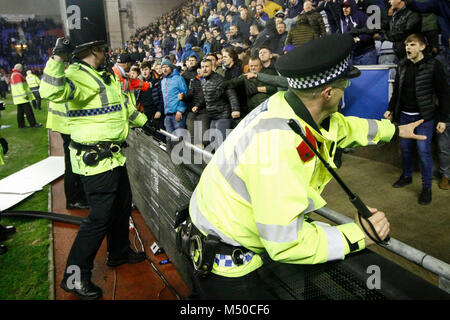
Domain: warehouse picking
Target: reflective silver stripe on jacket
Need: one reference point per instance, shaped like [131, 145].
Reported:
[204, 225]
[103, 96]
[282, 234]
[58, 113]
[373, 131]
[20, 95]
[134, 115]
[57, 82]
[228, 165]
[336, 249]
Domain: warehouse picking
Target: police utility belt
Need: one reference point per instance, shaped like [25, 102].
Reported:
[201, 249]
[96, 152]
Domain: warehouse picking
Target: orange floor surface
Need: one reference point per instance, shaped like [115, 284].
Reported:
[126, 282]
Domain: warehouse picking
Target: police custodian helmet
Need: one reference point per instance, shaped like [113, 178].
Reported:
[318, 62]
[87, 36]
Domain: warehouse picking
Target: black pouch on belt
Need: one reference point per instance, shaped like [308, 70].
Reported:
[97, 152]
[208, 250]
[184, 225]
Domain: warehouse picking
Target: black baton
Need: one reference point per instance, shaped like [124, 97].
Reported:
[354, 199]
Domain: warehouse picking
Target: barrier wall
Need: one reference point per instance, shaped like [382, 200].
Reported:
[368, 95]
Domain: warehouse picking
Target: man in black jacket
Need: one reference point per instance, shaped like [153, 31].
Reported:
[420, 79]
[236, 36]
[255, 91]
[191, 70]
[152, 98]
[221, 103]
[197, 121]
[403, 23]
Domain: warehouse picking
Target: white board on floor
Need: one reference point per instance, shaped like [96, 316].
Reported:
[23, 183]
[8, 200]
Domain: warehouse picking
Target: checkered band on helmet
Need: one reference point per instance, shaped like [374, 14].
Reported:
[320, 78]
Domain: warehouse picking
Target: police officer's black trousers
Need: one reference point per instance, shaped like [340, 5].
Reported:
[25, 108]
[248, 287]
[73, 188]
[37, 102]
[109, 198]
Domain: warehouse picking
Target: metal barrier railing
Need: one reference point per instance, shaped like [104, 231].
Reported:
[424, 260]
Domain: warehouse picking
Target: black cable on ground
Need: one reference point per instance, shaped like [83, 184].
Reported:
[168, 285]
[58, 217]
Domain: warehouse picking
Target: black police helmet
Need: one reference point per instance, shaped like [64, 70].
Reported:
[87, 36]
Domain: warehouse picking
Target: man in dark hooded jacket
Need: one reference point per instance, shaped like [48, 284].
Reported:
[352, 19]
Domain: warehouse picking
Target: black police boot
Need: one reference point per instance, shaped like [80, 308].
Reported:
[3, 249]
[84, 290]
[402, 181]
[8, 230]
[5, 232]
[425, 196]
[130, 257]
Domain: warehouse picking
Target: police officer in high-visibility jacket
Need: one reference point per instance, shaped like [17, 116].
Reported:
[34, 82]
[73, 188]
[261, 185]
[22, 96]
[98, 121]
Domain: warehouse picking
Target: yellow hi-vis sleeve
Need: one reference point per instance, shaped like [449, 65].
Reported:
[56, 87]
[355, 131]
[281, 197]
[136, 118]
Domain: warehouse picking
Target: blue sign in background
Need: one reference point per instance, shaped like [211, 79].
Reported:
[368, 95]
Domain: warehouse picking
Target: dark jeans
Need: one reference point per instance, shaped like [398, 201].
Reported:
[73, 188]
[217, 137]
[408, 147]
[172, 124]
[197, 124]
[109, 198]
[25, 108]
[248, 287]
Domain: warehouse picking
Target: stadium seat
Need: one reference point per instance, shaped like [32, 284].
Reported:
[386, 54]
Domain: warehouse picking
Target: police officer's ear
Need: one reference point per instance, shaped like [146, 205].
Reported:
[326, 93]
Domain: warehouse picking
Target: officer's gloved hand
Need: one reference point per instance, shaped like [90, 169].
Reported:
[62, 48]
[4, 144]
[149, 128]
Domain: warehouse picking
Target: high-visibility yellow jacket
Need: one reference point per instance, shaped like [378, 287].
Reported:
[97, 109]
[20, 91]
[57, 117]
[262, 184]
[33, 81]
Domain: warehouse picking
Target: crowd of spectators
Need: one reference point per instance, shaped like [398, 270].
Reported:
[26, 42]
[225, 50]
